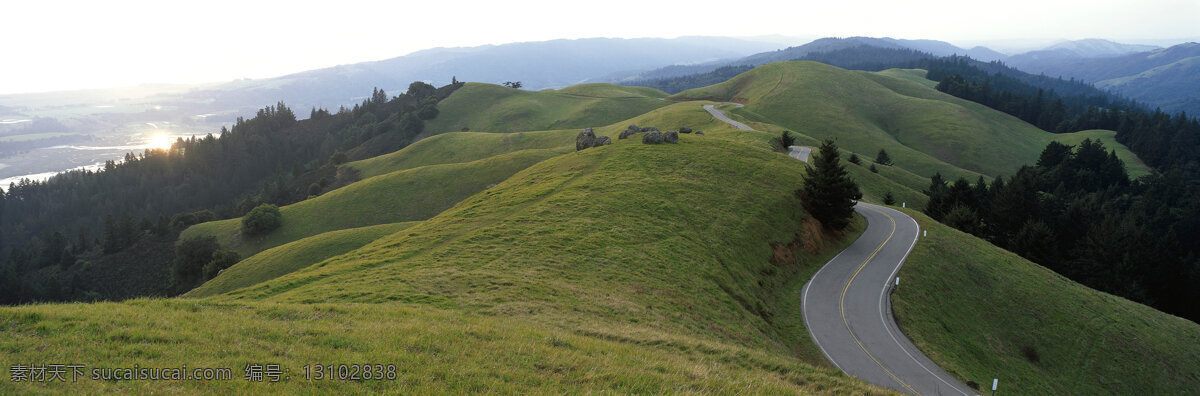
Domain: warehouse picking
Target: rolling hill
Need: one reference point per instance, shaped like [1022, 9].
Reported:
[513, 289]
[405, 195]
[922, 129]
[626, 268]
[289, 257]
[448, 158]
[492, 108]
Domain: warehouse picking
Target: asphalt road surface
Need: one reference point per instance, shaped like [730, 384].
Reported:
[720, 115]
[800, 152]
[847, 308]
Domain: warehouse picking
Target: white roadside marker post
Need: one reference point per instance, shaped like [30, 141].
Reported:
[995, 381]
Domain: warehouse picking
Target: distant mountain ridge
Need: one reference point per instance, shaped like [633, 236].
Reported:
[1097, 48]
[828, 44]
[537, 65]
[1168, 78]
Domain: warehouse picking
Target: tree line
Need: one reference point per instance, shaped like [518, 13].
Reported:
[51, 231]
[1077, 212]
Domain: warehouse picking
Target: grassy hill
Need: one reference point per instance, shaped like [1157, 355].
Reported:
[924, 131]
[982, 312]
[280, 260]
[525, 247]
[626, 268]
[404, 195]
[457, 147]
[493, 108]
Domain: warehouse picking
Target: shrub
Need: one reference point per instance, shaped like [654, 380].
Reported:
[221, 260]
[888, 198]
[1030, 354]
[261, 220]
[337, 158]
[191, 255]
[854, 159]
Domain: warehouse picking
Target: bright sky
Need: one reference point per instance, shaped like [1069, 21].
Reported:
[58, 45]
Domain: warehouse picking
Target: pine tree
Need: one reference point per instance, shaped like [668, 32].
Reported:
[786, 140]
[883, 159]
[829, 194]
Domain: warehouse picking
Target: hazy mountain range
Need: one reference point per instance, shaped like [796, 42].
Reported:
[537, 65]
[1157, 76]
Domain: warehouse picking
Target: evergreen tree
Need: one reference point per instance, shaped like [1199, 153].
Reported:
[883, 158]
[786, 140]
[854, 159]
[939, 197]
[888, 198]
[1054, 154]
[829, 194]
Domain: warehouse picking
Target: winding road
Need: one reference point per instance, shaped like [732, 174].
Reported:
[847, 309]
[720, 115]
[798, 152]
[847, 303]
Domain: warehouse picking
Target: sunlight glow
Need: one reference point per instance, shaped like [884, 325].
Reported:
[160, 142]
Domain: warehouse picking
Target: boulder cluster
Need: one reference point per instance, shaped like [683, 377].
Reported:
[653, 136]
[588, 139]
[632, 129]
[650, 135]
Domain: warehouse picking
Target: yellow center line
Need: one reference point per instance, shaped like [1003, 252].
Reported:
[842, 305]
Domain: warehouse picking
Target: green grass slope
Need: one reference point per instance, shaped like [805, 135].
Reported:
[455, 147]
[602, 90]
[405, 195]
[675, 237]
[493, 108]
[914, 75]
[976, 309]
[281, 260]
[924, 131]
[623, 233]
[434, 351]
[626, 268]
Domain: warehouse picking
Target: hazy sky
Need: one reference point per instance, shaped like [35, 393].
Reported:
[56, 45]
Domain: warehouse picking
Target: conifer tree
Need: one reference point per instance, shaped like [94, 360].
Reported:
[883, 158]
[829, 194]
